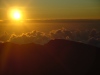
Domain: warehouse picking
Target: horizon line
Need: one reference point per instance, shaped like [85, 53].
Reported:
[50, 20]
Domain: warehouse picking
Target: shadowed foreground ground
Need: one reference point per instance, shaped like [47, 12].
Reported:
[58, 57]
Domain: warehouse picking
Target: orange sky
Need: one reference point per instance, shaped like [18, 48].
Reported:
[53, 9]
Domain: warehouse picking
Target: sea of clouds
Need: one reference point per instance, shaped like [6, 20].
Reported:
[87, 36]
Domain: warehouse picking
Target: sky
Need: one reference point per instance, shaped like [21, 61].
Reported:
[53, 9]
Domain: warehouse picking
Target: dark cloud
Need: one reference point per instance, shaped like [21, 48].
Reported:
[94, 41]
[60, 34]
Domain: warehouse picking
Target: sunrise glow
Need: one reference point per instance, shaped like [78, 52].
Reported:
[15, 14]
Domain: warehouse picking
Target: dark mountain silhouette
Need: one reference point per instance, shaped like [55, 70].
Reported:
[58, 57]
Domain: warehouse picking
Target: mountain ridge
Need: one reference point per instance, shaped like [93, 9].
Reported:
[57, 57]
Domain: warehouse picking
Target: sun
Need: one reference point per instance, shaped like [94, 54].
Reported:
[15, 14]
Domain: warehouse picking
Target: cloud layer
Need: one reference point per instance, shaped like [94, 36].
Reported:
[87, 36]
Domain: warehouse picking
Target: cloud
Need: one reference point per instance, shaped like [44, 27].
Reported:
[87, 36]
[30, 37]
[4, 37]
[94, 41]
[60, 34]
[93, 33]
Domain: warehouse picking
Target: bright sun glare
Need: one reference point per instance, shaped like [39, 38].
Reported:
[15, 14]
